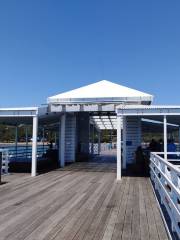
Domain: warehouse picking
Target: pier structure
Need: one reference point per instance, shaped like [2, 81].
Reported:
[127, 205]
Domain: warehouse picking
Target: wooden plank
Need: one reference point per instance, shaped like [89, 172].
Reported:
[88, 211]
[144, 230]
[136, 235]
[127, 224]
[108, 209]
[157, 216]
[118, 229]
[82, 201]
[115, 211]
[153, 233]
[37, 211]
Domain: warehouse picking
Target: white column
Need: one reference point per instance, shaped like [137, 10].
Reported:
[75, 133]
[59, 144]
[124, 142]
[99, 142]
[92, 146]
[62, 141]
[16, 139]
[34, 146]
[165, 137]
[118, 148]
[179, 140]
[43, 136]
[26, 130]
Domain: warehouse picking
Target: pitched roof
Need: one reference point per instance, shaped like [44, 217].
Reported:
[102, 91]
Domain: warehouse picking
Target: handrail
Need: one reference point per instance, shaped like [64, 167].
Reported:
[170, 165]
[166, 179]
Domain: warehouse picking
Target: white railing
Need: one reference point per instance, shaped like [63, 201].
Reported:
[166, 179]
[93, 148]
[103, 147]
[5, 161]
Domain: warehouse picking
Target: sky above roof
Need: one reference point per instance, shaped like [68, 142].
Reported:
[48, 47]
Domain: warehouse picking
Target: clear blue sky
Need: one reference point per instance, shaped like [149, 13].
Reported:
[50, 46]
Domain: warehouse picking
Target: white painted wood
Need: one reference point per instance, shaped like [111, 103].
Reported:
[34, 147]
[165, 137]
[4, 156]
[133, 137]
[43, 133]
[74, 138]
[165, 177]
[179, 137]
[26, 133]
[119, 148]
[59, 144]
[83, 132]
[99, 142]
[92, 146]
[62, 140]
[124, 143]
[16, 140]
[147, 110]
[70, 138]
[19, 112]
[82, 108]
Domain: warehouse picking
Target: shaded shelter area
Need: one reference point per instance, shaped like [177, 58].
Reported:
[86, 112]
[78, 116]
[34, 144]
[164, 120]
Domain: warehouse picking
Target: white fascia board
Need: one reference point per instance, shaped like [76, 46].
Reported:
[18, 112]
[148, 111]
[53, 100]
[19, 109]
[148, 107]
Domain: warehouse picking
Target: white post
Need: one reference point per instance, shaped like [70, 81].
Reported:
[43, 133]
[26, 130]
[92, 146]
[179, 140]
[16, 140]
[124, 142]
[99, 142]
[165, 137]
[74, 138]
[59, 144]
[62, 140]
[34, 147]
[118, 148]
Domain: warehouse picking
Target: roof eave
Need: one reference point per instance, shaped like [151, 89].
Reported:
[99, 100]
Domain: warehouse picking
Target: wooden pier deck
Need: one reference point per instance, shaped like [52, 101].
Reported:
[83, 201]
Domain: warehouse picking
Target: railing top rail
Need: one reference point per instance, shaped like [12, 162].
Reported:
[170, 165]
[175, 153]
